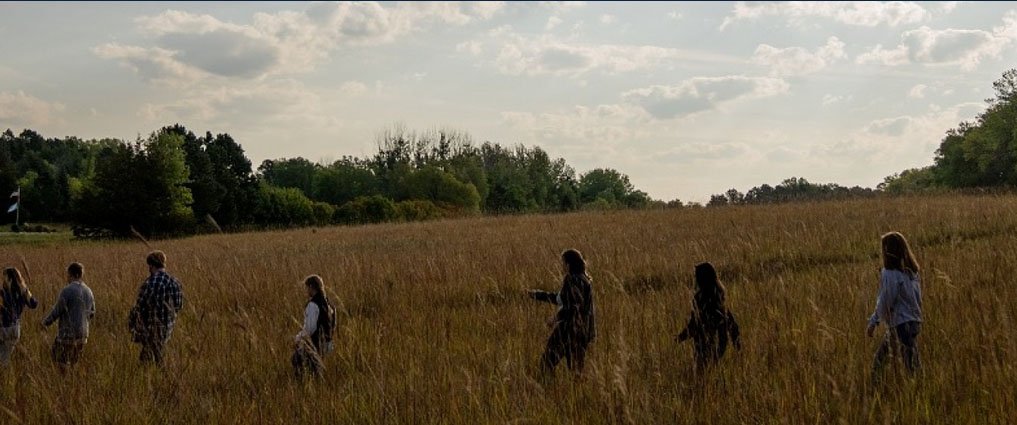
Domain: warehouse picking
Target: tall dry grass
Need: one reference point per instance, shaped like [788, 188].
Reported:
[435, 326]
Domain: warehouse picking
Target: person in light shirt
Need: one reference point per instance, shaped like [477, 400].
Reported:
[898, 306]
[314, 340]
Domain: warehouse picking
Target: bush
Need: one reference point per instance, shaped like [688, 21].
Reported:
[366, 209]
[29, 228]
[277, 205]
[322, 213]
[418, 211]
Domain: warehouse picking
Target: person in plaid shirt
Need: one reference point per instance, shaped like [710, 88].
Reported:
[159, 301]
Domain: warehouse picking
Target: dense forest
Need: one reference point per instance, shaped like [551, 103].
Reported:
[177, 182]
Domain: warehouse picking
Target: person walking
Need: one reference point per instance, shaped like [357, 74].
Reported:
[573, 325]
[898, 305]
[711, 325]
[14, 297]
[74, 309]
[154, 314]
[314, 340]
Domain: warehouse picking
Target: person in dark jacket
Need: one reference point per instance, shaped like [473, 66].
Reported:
[711, 324]
[573, 326]
[14, 297]
[314, 340]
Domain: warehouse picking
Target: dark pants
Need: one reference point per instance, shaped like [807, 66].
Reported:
[564, 344]
[67, 353]
[710, 347]
[306, 359]
[152, 350]
[900, 341]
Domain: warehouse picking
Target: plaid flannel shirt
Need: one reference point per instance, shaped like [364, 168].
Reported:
[159, 301]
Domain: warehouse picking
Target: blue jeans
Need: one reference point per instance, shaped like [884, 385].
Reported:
[900, 341]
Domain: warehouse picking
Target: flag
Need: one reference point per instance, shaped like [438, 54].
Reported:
[17, 193]
[13, 208]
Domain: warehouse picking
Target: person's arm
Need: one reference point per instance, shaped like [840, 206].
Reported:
[56, 312]
[30, 300]
[178, 297]
[310, 321]
[548, 297]
[91, 304]
[687, 332]
[570, 299]
[733, 330]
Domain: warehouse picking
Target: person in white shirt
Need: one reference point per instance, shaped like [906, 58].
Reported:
[898, 305]
[314, 340]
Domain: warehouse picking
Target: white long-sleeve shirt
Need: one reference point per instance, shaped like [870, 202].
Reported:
[310, 321]
[899, 300]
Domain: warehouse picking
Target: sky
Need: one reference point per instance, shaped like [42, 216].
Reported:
[687, 98]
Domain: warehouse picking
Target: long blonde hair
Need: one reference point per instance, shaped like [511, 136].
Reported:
[897, 254]
[13, 280]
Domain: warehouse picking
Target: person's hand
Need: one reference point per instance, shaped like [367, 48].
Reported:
[871, 330]
[532, 293]
[551, 322]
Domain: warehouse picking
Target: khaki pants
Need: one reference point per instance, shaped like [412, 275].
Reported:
[9, 337]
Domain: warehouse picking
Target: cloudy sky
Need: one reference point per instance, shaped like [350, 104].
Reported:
[688, 99]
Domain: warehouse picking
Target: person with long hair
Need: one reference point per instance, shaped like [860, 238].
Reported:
[573, 325]
[14, 297]
[711, 324]
[314, 340]
[898, 305]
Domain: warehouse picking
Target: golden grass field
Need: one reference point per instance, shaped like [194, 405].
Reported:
[435, 326]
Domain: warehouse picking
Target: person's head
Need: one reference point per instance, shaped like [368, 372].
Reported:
[13, 280]
[573, 262]
[314, 285]
[156, 260]
[897, 254]
[706, 278]
[75, 272]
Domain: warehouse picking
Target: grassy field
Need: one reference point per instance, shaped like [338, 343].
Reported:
[435, 326]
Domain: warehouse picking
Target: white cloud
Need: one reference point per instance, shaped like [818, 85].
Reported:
[18, 109]
[830, 99]
[545, 56]
[965, 48]
[676, 15]
[581, 124]
[918, 91]
[472, 47]
[278, 43]
[901, 136]
[607, 19]
[950, 6]
[857, 13]
[552, 22]
[701, 94]
[797, 60]
[353, 88]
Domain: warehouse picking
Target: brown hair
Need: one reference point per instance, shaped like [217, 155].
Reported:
[710, 292]
[13, 276]
[156, 259]
[572, 257]
[315, 282]
[897, 254]
[76, 270]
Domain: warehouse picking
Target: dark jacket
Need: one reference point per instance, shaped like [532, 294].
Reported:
[710, 326]
[12, 303]
[575, 300]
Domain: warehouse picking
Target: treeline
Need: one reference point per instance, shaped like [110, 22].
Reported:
[794, 189]
[980, 154]
[177, 182]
